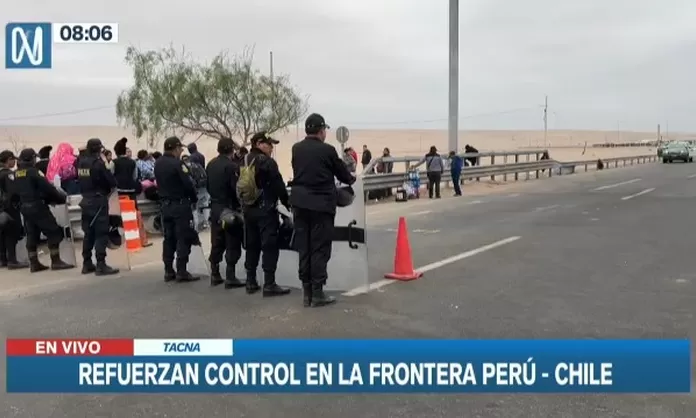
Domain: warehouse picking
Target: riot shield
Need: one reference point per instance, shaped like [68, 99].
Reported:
[67, 247]
[117, 249]
[347, 269]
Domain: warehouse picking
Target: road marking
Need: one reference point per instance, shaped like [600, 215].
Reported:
[423, 212]
[691, 176]
[432, 266]
[475, 202]
[539, 209]
[638, 194]
[611, 186]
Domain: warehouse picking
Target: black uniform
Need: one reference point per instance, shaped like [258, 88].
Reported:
[262, 220]
[177, 194]
[11, 232]
[315, 164]
[314, 198]
[96, 184]
[35, 194]
[222, 173]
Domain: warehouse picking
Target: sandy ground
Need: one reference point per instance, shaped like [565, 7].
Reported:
[563, 145]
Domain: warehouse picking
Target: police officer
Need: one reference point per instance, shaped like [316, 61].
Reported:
[226, 235]
[11, 228]
[314, 199]
[96, 184]
[35, 194]
[261, 218]
[177, 194]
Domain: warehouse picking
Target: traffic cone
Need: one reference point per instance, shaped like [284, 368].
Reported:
[403, 263]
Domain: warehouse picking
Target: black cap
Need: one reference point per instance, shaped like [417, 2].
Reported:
[27, 154]
[6, 156]
[314, 121]
[171, 143]
[263, 138]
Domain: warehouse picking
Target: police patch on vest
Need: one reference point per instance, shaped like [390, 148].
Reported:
[22, 173]
[11, 177]
[83, 172]
[184, 169]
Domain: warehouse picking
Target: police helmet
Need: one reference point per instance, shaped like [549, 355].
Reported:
[286, 234]
[230, 219]
[4, 219]
[346, 196]
[94, 145]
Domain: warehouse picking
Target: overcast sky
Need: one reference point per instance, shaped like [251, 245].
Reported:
[384, 63]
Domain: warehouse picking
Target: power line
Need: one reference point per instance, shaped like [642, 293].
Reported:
[48, 115]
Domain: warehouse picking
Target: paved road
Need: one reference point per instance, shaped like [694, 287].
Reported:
[599, 255]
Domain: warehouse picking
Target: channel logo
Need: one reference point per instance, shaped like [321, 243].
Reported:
[28, 46]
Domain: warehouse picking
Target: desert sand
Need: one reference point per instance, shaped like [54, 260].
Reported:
[565, 145]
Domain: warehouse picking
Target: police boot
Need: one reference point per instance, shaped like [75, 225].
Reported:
[12, 263]
[88, 267]
[169, 274]
[270, 288]
[307, 294]
[57, 263]
[34, 265]
[104, 269]
[231, 280]
[319, 298]
[215, 277]
[252, 286]
[183, 276]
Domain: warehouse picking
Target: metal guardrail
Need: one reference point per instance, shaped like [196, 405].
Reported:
[149, 208]
[616, 162]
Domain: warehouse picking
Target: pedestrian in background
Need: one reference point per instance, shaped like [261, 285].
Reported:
[456, 165]
[434, 167]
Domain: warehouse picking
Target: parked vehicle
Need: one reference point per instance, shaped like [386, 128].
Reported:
[677, 151]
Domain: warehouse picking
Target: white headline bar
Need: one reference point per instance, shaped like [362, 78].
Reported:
[183, 347]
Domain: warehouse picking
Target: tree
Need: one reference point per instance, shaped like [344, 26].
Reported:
[15, 144]
[227, 98]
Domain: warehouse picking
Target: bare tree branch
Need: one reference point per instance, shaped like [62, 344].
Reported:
[227, 98]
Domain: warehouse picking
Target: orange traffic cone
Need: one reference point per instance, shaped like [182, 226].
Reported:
[403, 263]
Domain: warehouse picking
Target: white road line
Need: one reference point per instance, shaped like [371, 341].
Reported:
[539, 209]
[611, 186]
[423, 212]
[691, 176]
[475, 202]
[638, 194]
[432, 266]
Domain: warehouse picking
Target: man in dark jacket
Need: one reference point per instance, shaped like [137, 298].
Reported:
[225, 236]
[195, 156]
[35, 194]
[126, 172]
[44, 156]
[261, 218]
[11, 228]
[366, 157]
[456, 165]
[314, 199]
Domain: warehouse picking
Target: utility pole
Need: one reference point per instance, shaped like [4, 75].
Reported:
[271, 54]
[546, 120]
[453, 117]
[659, 137]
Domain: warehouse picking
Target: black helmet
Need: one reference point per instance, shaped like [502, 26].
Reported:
[346, 196]
[231, 218]
[286, 234]
[94, 145]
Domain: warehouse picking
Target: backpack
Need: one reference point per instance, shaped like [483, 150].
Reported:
[200, 177]
[247, 190]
